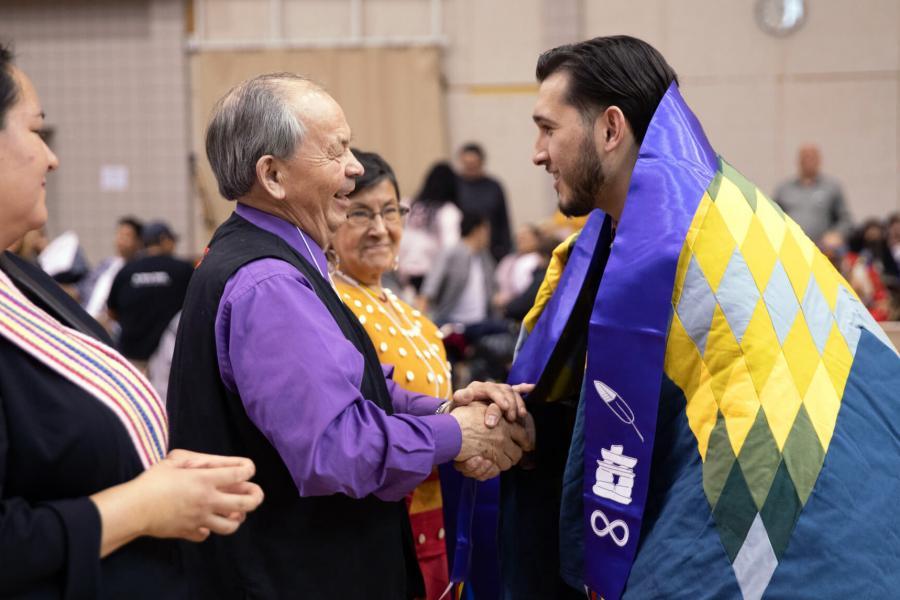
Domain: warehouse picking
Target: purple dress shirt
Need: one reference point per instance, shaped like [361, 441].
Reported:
[298, 376]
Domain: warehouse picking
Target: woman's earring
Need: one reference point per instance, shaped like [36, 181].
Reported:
[396, 264]
[334, 261]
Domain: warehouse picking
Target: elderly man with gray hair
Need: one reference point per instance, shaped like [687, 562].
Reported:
[270, 364]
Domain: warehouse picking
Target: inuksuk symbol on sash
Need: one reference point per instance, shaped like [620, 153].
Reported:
[615, 475]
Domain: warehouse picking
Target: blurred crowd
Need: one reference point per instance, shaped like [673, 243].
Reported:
[458, 261]
[867, 255]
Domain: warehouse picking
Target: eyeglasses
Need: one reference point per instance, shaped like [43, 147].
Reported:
[363, 217]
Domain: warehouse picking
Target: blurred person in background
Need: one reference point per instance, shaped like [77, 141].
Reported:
[147, 293]
[432, 226]
[363, 250]
[483, 195]
[85, 480]
[833, 245]
[518, 306]
[868, 265]
[814, 201]
[514, 272]
[459, 287]
[892, 236]
[64, 260]
[95, 288]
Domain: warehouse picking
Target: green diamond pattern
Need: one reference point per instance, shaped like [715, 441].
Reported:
[759, 459]
[803, 455]
[762, 484]
[747, 189]
[715, 184]
[781, 510]
[734, 512]
[715, 471]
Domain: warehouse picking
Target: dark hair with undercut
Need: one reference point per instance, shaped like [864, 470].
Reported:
[376, 170]
[609, 71]
[9, 91]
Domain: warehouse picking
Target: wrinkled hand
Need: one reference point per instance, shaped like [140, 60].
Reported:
[482, 469]
[189, 495]
[503, 400]
[502, 444]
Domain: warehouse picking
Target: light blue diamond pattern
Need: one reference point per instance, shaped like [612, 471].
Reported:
[818, 315]
[781, 302]
[852, 317]
[696, 306]
[846, 313]
[755, 562]
[737, 295]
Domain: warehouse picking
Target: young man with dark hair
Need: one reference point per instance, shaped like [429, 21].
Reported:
[715, 410]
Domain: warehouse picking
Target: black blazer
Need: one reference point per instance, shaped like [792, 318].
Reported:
[59, 445]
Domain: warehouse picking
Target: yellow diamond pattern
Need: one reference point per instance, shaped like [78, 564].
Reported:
[807, 247]
[697, 223]
[780, 400]
[701, 412]
[801, 353]
[713, 247]
[759, 373]
[795, 264]
[827, 278]
[739, 405]
[734, 209]
[682, 352]
[760, 346]
[720, 361]
[837, 358]
[822, 403]
[770, 220]
[758, 252]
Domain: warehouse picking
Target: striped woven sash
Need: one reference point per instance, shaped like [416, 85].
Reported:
[97, 369]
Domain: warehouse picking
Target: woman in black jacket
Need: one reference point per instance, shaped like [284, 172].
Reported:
[84, 470]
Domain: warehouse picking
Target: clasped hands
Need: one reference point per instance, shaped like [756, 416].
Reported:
[496, 427]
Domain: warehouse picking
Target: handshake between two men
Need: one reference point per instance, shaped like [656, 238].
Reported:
[496, 427]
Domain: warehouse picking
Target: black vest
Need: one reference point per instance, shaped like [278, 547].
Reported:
[290, 547]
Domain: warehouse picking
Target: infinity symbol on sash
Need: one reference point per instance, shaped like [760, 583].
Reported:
[610, 528]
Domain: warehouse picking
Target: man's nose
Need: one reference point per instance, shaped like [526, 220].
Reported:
[354, 168]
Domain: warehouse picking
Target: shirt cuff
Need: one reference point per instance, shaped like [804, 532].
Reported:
[425, 405]
[82, 523]
[447, 437]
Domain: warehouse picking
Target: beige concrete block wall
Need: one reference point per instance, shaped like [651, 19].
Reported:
[111, 76]
[834, 82]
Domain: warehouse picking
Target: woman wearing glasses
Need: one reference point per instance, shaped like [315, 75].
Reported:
[364, 249]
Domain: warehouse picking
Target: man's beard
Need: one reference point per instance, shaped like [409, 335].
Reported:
[586, 181]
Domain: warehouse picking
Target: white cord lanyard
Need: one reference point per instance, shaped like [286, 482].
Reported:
[311, 255]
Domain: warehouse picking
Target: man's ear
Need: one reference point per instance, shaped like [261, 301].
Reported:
[611, 129]
[270, 177]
